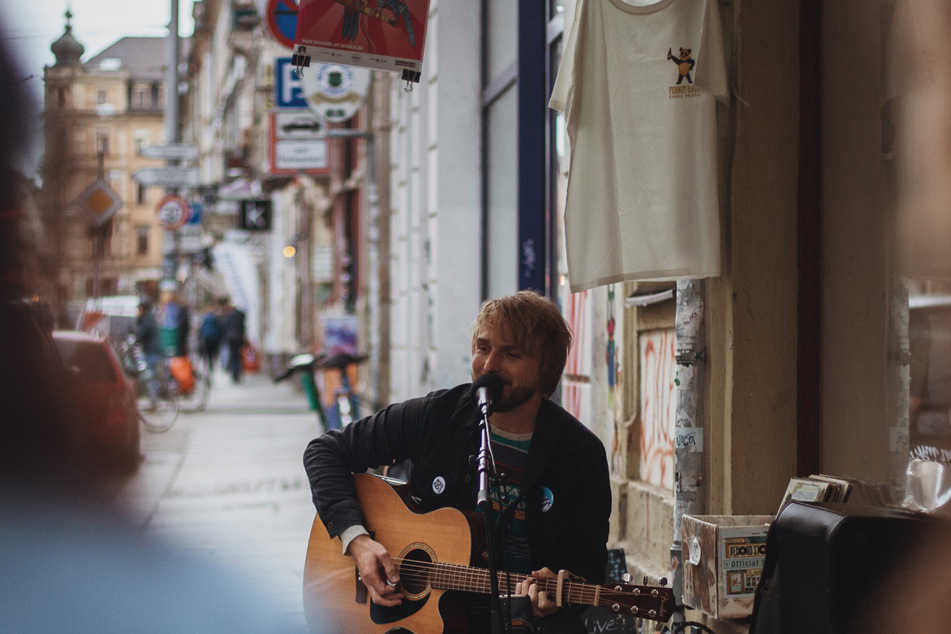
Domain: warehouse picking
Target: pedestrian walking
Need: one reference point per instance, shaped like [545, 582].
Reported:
[235, 337]
[147, 335]
[210, 335]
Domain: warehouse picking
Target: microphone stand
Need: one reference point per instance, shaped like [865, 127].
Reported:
[485, 504]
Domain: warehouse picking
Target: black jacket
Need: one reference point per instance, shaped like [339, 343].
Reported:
[439, 433]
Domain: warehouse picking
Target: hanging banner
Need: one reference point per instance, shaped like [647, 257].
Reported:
[389, 36]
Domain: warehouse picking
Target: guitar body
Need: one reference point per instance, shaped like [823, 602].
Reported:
[432, 552]
[335, 600]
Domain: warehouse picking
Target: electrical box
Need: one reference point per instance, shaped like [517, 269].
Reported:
[723, 558]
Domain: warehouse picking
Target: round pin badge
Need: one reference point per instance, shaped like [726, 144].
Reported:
[548, 498]
[439, 485]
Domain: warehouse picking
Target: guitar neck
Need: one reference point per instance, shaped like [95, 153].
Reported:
[455, 577]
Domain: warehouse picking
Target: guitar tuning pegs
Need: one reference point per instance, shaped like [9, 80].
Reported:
[662, 581]
[626, 577]
[646, 580]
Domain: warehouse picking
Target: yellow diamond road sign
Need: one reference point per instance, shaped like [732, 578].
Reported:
[99, 203]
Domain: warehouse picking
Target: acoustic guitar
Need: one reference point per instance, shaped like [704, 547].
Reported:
[433, 551]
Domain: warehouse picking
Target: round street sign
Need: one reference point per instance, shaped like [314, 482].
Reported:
[282, 21]
[334, 92]
[173, 212]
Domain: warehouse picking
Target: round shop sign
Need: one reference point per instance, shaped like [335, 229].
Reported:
[173, 212]
[334, 92]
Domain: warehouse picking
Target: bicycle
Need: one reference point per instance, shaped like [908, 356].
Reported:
[158, 412]
[345, 408]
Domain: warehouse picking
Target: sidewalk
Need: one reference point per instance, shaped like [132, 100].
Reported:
[229, 484]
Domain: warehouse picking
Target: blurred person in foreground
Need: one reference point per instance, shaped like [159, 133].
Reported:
[551, 511]
[71, 561]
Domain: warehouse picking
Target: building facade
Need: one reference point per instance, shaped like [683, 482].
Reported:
[98, 115]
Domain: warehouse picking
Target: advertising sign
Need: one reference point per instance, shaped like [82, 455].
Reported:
[356, 33]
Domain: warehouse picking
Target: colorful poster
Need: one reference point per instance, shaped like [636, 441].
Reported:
[388, 35]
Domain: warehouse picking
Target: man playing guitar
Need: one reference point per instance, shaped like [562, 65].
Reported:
[551, 497]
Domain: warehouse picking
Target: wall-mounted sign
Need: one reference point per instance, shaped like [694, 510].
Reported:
[388, 36]
[256, 215]
[335, 92]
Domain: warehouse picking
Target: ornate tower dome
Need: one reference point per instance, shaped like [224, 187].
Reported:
[67, 49]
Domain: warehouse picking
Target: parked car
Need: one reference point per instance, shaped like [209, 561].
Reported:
[104, 396]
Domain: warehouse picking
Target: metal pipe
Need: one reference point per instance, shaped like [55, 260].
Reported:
[688, 437]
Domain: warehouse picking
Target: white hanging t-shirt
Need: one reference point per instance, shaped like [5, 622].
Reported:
[642, 201]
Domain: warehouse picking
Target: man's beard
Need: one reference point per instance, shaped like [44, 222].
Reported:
[517, 397]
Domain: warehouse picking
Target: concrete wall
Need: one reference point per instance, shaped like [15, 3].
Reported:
[856, 244]
[752, 308]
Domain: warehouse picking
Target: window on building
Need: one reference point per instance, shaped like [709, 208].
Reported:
[142, 139]
[101, 96]
[141, 194]
[142, 239]
[61, 97]
[517, 223]
[156, 95]
[102, 142]
[141, 97]
[107, 286]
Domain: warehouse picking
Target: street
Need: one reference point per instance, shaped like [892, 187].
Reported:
[228, 483]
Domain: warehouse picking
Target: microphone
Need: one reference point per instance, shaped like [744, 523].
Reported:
[485, 390]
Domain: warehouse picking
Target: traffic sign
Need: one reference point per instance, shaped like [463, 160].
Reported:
[298, 124]
[171, 152]
[99, 203]
[282, 21]
[167, 176]
[173, 212]
[287, 86]
[296, 143]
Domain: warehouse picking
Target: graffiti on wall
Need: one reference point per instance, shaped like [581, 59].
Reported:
[576, 375]
[658, 407]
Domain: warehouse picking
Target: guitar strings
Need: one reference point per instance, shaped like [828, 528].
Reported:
[447, 576]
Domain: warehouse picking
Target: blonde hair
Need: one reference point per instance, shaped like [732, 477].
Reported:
[535, 322]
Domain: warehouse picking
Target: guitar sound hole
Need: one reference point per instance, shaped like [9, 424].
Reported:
[414, 572]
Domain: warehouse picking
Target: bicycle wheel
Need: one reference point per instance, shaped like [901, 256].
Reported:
[197, 399]
[159, 415]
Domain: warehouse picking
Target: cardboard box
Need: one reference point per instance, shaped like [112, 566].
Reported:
[723, 558]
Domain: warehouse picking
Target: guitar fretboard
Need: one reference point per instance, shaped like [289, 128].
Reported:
[445, 576]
